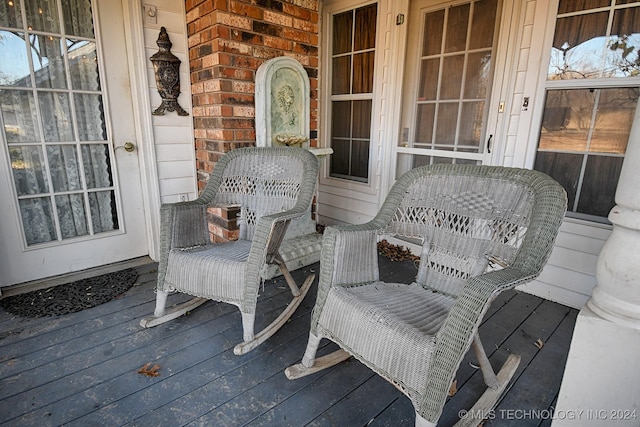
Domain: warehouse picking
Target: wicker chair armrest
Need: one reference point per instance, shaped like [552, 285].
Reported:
[182, 225]
[349, 257]
[458, 330]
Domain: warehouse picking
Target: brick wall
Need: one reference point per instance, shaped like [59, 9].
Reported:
[228, 40]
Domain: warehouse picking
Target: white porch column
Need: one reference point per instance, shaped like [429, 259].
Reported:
[601, 383]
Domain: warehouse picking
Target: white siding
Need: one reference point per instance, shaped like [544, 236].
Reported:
[172, 134]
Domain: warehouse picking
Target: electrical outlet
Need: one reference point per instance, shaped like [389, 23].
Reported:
[150, 14]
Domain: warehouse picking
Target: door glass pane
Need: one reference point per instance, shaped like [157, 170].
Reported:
[424, 123]
[63, 166]
[457, 25]
[96, 165]
[362, 119]
[52, 105]
[454, 83]
[48, 62]
[341, 119]
[14, 64]
[446, 125]
[42, 15]
[478, 76]
[432, 37]
[28, 169]
[471, 122]
[103, 212]
[73, 218]
[83, 65]
[56, 116]
[10, 14]
[483, 24]
[37, 220]
[89, 111]
[18, 111]
[77, 18]
[451, 77]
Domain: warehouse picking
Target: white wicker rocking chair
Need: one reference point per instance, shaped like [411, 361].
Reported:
[416, 335]
[272, 186]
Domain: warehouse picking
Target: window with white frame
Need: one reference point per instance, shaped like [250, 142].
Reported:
[592, 90]
[353, 43]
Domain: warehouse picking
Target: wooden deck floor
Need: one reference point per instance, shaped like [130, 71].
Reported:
[81, 369]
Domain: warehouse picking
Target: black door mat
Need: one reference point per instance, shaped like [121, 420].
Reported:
[72, 297]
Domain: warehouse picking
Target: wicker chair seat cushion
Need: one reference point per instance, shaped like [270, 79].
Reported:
[213, 271]
[386, 325]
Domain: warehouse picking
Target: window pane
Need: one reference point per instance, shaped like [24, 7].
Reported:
[365, 28]
[452, 77]
[14, 64]
[432, 39]
[72, 215]
[18, 113]
[362, 119]
[63, 166]
[566, 6]
[622, 55]
[341, 119]
[360, 159]
[27, 165]
[564, 168]
[42, 15]
[342, 30]
[77, 17]
[599, 185]
[48, 62]
[482, 26]
[56, 116]
[341, 75]
[614, 116]
[341, 157]
[429, 69]
[567, 120]
[578, 47]
[37, 220]
[83, 65]
[457, 24]
[103, 211]
[363, 72]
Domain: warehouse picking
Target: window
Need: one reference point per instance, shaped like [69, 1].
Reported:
[592, 91]
[352, 64]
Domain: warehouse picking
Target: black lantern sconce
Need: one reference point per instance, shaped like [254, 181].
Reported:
[167, 69]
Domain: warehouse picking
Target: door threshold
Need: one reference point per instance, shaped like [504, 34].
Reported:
[34, 285]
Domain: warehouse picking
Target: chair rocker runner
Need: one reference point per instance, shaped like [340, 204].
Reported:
[484, 229]
[272, 186]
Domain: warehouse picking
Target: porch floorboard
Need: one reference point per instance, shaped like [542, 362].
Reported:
[81, 369]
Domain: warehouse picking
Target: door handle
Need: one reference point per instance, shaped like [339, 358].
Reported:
[489, 144]
[128, 146]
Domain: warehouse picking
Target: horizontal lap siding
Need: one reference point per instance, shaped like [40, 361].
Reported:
[172, 134]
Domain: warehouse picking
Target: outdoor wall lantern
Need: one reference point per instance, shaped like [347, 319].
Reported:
[167, 69]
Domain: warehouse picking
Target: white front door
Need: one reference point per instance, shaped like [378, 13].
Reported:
[448, 83]
[70, 180]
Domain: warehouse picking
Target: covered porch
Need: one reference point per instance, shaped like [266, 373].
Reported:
[82, 368]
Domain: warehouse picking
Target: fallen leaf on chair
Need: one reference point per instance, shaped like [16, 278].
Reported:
[539, 343]
[149, 371]
[454, 388]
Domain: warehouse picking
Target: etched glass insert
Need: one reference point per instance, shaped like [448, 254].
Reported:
[14, 64]
[18, 113]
